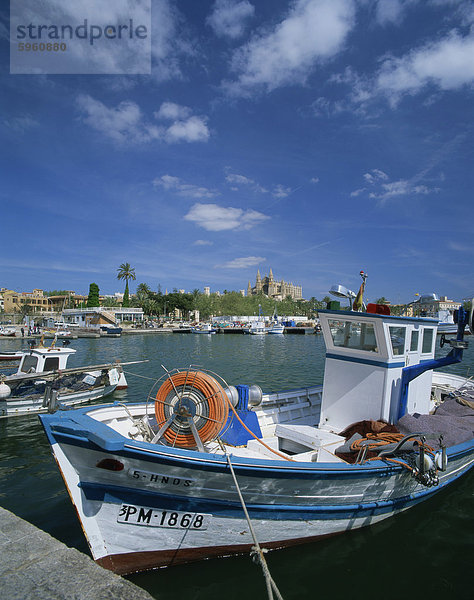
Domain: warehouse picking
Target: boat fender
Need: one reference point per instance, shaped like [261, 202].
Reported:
[441, 460]
[424, 462]
[5, 391]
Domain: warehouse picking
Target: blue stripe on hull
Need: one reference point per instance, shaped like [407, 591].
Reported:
[275, 512]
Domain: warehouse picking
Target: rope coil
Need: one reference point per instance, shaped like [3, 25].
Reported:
[190, 400]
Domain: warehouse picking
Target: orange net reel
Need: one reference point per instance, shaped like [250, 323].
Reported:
[191, 407]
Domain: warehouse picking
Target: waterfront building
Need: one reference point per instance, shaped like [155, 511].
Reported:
[95, 317]
[273, 288]
[14, 300]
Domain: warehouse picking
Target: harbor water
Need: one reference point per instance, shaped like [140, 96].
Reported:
[426, 551]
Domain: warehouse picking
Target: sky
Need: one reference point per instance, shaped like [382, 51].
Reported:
[317, 138]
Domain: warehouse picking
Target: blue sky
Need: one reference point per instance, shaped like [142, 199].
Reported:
[315, 137]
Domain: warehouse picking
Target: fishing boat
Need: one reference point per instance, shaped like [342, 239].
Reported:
[257, 328]
[11, 356]
[43, 382]
[276, 328]
[202, 469]
[204, 328]
[8, 331]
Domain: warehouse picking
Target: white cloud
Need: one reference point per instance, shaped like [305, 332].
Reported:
[447, 63]
[243, 262]
[314, 180]
[382, 189]
[168, 182]
[229, 18]
[203, 243]
[240, 180]
[185, 128]
[126, 123]
[218, 218]
[314, 31]
[402, 187]
[21, 124]
[193, 129]
[281, 192]
[169, 42]
[375, 175]
[172, 111]
[122, 124]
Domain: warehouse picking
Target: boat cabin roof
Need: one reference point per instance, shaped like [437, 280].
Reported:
[378, 337]
[44, 359]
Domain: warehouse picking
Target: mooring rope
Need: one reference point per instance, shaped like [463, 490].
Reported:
[259, 551]
[137, 375]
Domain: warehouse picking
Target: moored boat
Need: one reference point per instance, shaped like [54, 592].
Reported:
[257, 328]
[11, 356]
[153, 483]
[43, 382]
[204, 328]
[276, 328]
[8, 331]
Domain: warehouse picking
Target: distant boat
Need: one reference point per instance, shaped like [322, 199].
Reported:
[111, 331]
[276, 328]
[8, 331]
[204, 328]
[257, 328]
[42, 382]
[11, 355]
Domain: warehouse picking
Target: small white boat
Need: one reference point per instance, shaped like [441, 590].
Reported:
[13, 356]
[257, 328]
[8, 331]
[201, 469]
[204, 328]
[276, 328]
[43, 382]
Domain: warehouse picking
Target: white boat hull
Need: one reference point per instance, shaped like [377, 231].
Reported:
[11, 407]
[165, 506]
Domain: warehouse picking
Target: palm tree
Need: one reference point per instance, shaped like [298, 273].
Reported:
[143, 291]
[126, 272]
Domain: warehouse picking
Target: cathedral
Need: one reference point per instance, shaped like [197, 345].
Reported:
[278, 290]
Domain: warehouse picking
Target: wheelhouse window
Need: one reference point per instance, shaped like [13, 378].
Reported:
[427, 344]
[415, 335]
[355, 335]
[29, 364]
[51, 363]
[397, 339]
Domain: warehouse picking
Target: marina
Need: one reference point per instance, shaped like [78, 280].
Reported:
[262, 365]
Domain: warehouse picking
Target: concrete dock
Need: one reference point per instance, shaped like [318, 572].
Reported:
[35, 565]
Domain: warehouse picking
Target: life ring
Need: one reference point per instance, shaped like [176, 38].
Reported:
[190, 400]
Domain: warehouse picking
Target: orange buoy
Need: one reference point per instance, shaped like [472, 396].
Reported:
[191, 400]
